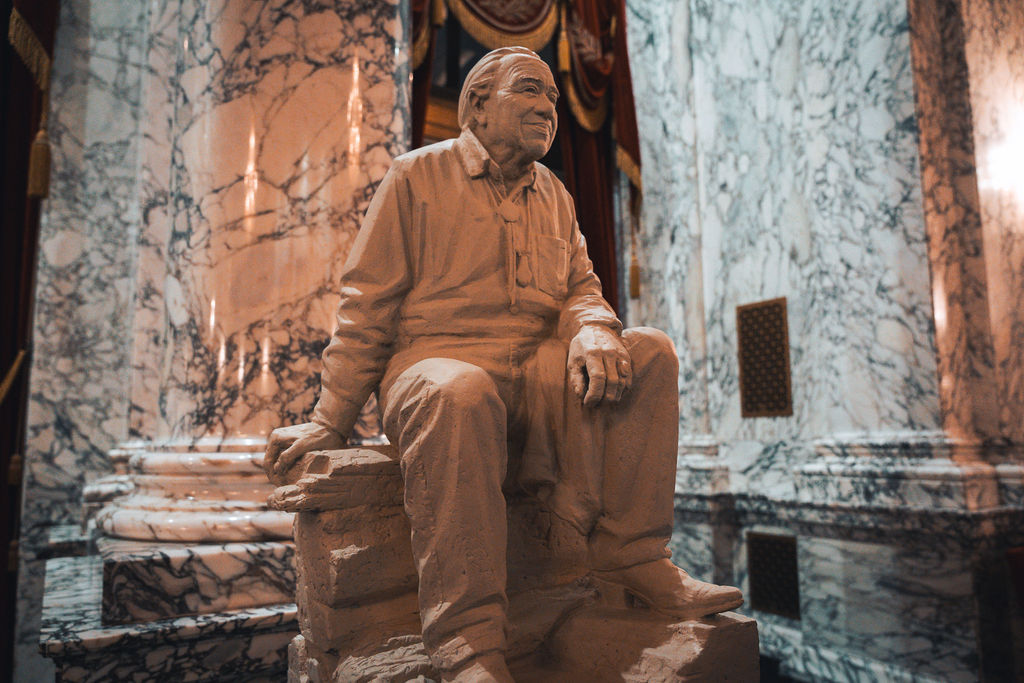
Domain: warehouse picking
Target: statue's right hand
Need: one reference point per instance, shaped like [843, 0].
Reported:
[288, 444]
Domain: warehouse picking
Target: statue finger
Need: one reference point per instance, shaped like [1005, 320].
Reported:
[613, 381]
[625, 366]
[287, 459]
[577, 380]
[596, 382]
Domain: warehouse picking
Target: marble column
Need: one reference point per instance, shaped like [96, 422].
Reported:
[970, 98]
[669, 246]
[259, 157]
[859, 159]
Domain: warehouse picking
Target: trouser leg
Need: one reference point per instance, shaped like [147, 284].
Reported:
[449, 424]
[641, 442]
[611, 468]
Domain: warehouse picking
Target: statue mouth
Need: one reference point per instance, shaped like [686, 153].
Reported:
[542, 126]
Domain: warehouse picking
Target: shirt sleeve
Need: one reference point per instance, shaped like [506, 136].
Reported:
[374, 282]
[584, 305]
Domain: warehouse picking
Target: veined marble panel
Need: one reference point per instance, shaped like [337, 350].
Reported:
[963, 330]
[809, 189]
[77, 407]
[994, 42]
[283, 116]
[911, 607]
[240, 644]
[151, 581]
[669, 235]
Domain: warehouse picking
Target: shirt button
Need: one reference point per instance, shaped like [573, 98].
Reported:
[514, 308]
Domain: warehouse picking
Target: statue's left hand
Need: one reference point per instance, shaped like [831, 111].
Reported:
[599, 365]
[288, 444]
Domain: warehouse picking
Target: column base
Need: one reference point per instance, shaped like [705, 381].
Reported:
[146, 581]
[205, 491]
[246, 644]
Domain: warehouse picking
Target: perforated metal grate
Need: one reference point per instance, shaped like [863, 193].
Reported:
[763, 345]
[773, 574]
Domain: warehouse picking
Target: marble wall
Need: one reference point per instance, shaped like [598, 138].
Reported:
[85, 285]
[260, 159]
[796, 149]
[790, 170]
[212, 161]
[994, 44]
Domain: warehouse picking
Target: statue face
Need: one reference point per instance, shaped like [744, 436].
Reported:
[520, 112]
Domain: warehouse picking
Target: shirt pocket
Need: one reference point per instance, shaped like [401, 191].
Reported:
[552, 265]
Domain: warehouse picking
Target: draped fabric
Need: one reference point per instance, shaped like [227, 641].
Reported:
[506, 23]
[427, 16]
[597, 119]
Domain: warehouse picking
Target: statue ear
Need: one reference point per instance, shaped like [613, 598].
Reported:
[476, 109]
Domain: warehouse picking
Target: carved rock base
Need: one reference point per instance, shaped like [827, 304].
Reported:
[596, 643]
[358, 611]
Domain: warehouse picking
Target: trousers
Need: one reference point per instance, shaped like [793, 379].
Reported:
[466, 432]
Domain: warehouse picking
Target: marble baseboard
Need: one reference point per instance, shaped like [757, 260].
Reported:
[885, 592]
[701, 473]
[905, 483]
[145, 581]
[804, 662]
[239, 645]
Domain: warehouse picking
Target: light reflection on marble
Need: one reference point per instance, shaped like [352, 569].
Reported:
[282, 119]
[994, 41]
[210, 490]
[124, 227]
[280, 122]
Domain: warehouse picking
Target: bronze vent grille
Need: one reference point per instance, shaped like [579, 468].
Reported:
[762, 335]
[772, 570]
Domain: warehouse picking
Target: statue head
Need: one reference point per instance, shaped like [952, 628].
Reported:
[508, 101]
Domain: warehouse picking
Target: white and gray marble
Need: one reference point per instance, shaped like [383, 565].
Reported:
[236, 645]
[259, 162]
[785, 156]
[146, 581]
[994, 43]
[77, 408]
[809, 189]
[202, 151]
[669, 240]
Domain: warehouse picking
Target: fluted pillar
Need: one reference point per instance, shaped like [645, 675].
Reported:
[268, 126]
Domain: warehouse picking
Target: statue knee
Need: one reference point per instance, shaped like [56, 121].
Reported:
[455, 385]
[651, 350]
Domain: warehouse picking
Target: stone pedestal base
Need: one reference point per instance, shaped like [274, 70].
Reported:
[358, 611]
[596, 643]
[143, 581]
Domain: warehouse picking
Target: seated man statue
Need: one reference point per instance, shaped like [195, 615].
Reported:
[469, 299]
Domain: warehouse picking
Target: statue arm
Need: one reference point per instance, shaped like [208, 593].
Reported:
[374, 283]
[584, 304]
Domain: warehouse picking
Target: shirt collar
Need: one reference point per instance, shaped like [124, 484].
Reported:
[478, 162]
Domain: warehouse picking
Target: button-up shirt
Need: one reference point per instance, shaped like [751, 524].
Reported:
[449, 263]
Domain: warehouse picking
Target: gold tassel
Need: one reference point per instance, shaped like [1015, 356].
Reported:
[564, 60]
[26, 43]
[439, 13]
[634, 277]
[39, 166]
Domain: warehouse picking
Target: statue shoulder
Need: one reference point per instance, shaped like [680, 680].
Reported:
[428, 154]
